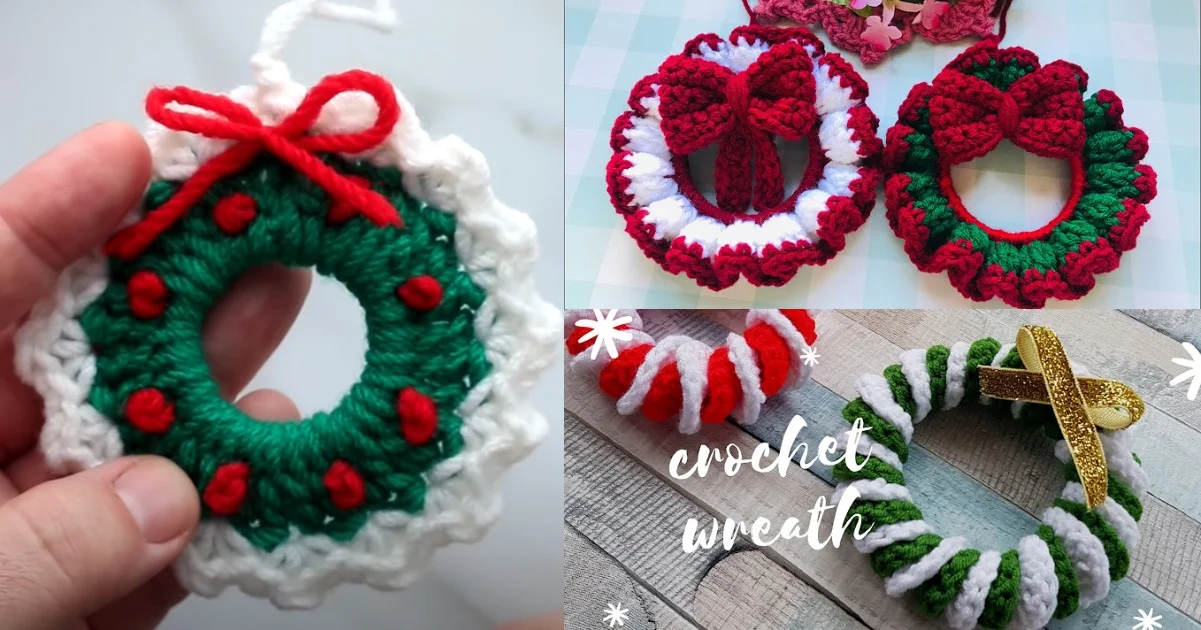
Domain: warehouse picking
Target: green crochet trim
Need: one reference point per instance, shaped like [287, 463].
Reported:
[938, 592]
[935, 594]
[1002, 597]
[1068, 595]
[435, 352]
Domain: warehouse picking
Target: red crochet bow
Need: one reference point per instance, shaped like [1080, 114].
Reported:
[1042, 112]
[289, 140]
[702, 102]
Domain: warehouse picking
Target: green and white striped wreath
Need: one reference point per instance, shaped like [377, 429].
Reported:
[1068, 564]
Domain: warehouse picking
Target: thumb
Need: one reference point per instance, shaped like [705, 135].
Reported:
[72, 545]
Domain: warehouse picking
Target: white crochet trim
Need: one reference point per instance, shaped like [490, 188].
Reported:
[873, 490]
[869, 446]
[747, 369]
[670, 214]
[913, 366]
[498, 249]
[1086, 552]
[885, 535]
[875, 391]
[798, 371]
[956, 373]
[963, 613]
[1037, 585]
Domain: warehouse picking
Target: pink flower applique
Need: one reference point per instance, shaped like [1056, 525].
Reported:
[879, 34]
[931, 14]
[860, 4]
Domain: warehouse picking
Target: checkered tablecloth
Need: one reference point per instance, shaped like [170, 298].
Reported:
[1145, 50]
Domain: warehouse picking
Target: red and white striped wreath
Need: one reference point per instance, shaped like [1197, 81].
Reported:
[682, 376]
[741, 93]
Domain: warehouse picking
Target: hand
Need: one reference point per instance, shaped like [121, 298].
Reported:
[93, 550]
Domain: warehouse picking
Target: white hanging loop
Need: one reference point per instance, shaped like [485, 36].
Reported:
[270, 72]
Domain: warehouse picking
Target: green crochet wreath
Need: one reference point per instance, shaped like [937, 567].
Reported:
[989, 93]
[328, 473]
[1066, 565]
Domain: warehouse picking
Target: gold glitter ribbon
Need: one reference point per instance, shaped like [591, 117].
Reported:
[1081, 404]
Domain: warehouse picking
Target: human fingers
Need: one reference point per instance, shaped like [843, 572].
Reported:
[72, 545]
[269, 405]
[62, 205]
[549, 621]
[246, 325]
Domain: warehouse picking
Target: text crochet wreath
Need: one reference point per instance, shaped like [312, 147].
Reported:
[740, 93]
[987, 94]
[344, 179]
[1068, 564]
[681, 376]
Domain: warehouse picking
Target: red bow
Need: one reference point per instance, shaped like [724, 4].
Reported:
[289, 140]
[1042, 112]
[702, 102]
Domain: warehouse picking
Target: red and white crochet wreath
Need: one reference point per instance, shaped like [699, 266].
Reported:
[685, 377]
[740, 93]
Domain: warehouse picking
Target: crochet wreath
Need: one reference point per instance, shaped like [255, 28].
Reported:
[1068, 564]
[682, 376]
[344, 179]
[987, 94]
[872, 39]
[740, 93]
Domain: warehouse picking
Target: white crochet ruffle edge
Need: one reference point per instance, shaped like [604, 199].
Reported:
[498, 248]
[669, 214]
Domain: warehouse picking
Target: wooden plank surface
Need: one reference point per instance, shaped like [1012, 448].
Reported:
[592, 581]
[964, 483]
[632, 516]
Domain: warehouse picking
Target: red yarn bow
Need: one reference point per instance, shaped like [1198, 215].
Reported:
[289, 140]
[702, 102]
[1042, 112]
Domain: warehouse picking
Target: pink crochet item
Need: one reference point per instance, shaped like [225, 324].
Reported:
[870, 36]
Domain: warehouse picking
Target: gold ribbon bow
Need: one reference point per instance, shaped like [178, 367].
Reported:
[1081, 404]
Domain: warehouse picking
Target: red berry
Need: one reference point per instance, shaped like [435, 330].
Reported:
[150, 411]
[147, 294]
[227, 489]
[418, 416]
[345, 486]
[233, 213]
[421, 293]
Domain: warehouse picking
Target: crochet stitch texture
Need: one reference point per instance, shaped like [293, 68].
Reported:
[987, 94]
[740, 93]
[964, 18]
[681, 376]
[1068, 564]
[408, 460]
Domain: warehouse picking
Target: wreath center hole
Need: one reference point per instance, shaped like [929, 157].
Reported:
[794, 160]
[1012, 190]
[319, 358]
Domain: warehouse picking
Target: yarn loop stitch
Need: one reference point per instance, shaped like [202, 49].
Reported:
[1068, 564]
[983, 96]
[681, 376]
[741, 93]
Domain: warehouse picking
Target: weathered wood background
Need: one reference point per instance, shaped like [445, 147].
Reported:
[972, 473]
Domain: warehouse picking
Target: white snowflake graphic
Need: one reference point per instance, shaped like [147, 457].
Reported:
[1193, 371]
[604, 331]
[1144, 620]
[810, 356]
[616, 615]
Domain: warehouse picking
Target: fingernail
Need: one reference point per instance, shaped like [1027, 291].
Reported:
[160, 497]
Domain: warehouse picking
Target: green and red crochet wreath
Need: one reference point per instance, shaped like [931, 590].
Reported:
[987, 94]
